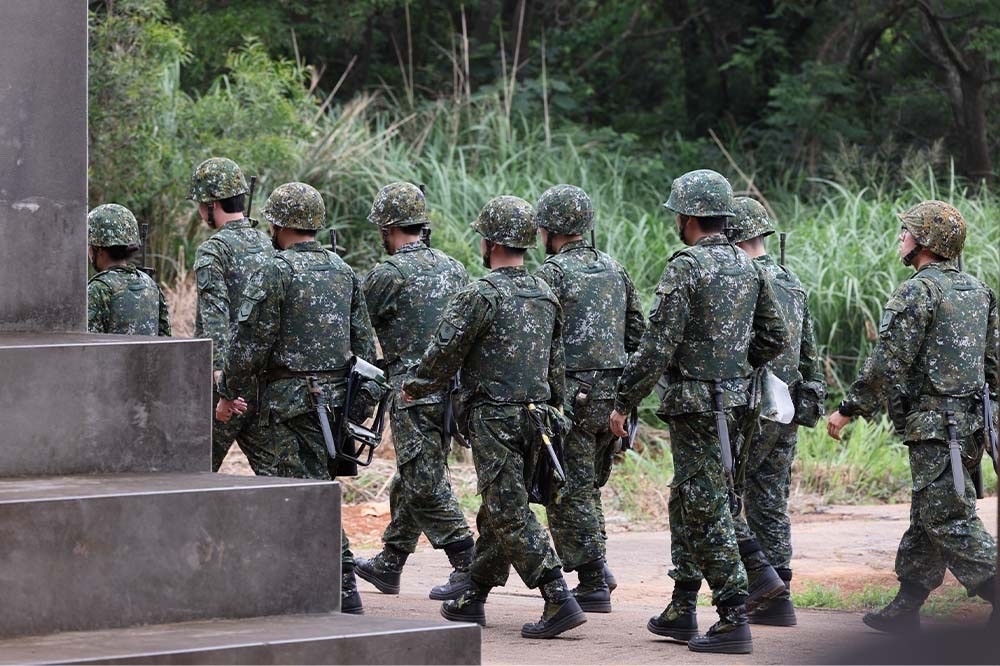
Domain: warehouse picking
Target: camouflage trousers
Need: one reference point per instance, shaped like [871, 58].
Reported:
[765, 492]
[509, 533]
[245, 430]
[421, 498]
[576, 520]
[298, 444]
[945, 532]
[702, 533]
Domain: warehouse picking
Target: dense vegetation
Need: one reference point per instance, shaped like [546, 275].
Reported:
[837, 114]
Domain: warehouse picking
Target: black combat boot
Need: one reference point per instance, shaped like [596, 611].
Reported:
[460, 555]
[383, 570]
[778, 611]
[609, 577]
[350, 598]
[592, 593]
[902, 615]
[763, 581]
[679, 620]
[561, 612]
[730, 635]
[988, 591]
[469, 607]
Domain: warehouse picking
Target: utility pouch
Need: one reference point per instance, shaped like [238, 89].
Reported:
[808, 398]
[898, 406]
[546, 474]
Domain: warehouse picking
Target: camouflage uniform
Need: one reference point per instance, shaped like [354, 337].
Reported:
[223, 265]
[302, 314]
[765, 519]
[122, 299]
[714, 317]
[125, 300]
[406, 294]
[603, 322]
[937, 345]
[504, 332]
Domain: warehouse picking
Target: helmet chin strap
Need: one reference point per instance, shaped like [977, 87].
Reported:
[908, 257]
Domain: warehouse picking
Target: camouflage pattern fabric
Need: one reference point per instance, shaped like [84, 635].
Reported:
[701, 193]
[295, 205]
[938, 341]
[405, 295]
[126, 301]
[217, 178]
[303, 312]
[504, 332]
[223, 265]
[937, 226]
[603, 323]
[399, 205]
[112, 224]
[565, 209]
[715, 317]
[507, 221]
[769, 468]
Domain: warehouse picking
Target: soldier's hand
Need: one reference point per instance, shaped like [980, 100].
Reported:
[407, 398]
[617, 423]
[835, 423]
[227, 408]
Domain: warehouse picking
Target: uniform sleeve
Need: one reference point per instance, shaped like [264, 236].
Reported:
[257, 330]
[635, 321]
[212, 317]
[770, 334]
[668, 318]
[163, 327]
[552, 274]
[381, 288]
[98, 307]
[557, 363]
[907, 316]
[362, 335]
[810, 364]
[464, 318]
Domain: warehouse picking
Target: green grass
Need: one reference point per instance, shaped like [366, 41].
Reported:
[944, 602]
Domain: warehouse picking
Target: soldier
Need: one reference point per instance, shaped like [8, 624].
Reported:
[301, 315]
[603, 323]
[120, 298]
[713, 320]
[405, 295]
[504, 333]
[937, 346]
[222, 266]
[764, 530]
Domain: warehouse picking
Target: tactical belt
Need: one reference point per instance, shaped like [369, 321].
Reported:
[275, 374]
[946, 403]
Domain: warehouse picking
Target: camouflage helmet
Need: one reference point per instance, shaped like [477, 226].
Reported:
[565, 209]
[296, 206]
[507, 221]
[112, 224]
[701, 193]
[936, 225]
[751, 221]
[399, 205]
[217, 178]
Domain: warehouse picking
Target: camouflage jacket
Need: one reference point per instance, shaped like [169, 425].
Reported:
[223, 265]
[303, 312]
[937, 346]
[406, 294]
[504, 332]
[602, 316]
[800, 359]
[714, 317]
[125, 300]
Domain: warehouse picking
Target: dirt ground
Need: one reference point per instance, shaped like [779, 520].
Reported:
[846, 548]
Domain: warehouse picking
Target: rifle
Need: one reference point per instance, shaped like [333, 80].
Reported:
[425, 235]
[632, 430]
[253, 186]
[722, 427]
[547, 474]
[781, 245]
[148, 270]
[989, 430]
[449, 421]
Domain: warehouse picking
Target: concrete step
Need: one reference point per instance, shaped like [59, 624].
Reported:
[287, 639]
[78, 403]
[96, 552]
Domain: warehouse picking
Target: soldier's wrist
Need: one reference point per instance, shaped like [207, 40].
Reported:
[847, 409]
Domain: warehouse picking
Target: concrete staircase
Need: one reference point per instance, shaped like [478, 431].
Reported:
[117, 544]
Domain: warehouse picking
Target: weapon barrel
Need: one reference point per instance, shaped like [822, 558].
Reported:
[989, 430]
[955, 454]
[319, 401]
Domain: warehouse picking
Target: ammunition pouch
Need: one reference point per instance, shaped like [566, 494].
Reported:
[808, 397]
